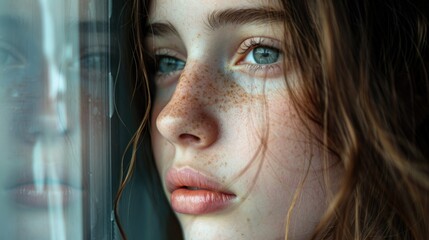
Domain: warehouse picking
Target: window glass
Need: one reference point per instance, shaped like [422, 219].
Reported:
[55, 119]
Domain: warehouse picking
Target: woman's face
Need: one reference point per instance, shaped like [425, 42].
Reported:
[229, 147]
[48, 57]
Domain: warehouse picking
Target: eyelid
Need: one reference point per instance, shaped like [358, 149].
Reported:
[168, 52]
[254, 42]
[95, 50]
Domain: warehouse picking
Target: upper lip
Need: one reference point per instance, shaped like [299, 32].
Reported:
[189, 178]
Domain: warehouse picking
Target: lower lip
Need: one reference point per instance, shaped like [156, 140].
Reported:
[198, 202]
[51, 195]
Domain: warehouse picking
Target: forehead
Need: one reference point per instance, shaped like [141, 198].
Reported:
[195, 9]
[32, 11]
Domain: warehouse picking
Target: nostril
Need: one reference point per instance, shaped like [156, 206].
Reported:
[194, 129]
[189, 138]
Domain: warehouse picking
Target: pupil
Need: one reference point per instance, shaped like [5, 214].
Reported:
[265, 55]
[166, 65]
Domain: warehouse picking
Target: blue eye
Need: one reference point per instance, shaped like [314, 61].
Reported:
[263, 55]
[167, 64]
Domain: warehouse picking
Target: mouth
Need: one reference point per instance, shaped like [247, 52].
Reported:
[45, 191]
[195, 194]
[44, 194]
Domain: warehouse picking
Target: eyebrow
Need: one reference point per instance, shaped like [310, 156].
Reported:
[161, 29]
[93, 27]
[263, 15]
[11, 22]
[221, 18]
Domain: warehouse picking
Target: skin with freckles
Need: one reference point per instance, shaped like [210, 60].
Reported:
[221, 109]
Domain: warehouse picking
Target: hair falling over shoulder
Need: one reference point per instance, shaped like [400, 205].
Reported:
[136, 12]
[365, 70]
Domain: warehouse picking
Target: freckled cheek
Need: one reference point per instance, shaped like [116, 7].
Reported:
[289, 140]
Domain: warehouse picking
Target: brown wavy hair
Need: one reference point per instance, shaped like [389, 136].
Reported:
[365, 68]
[364, 64]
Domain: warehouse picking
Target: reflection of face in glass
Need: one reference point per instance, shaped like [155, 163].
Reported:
[52, 56]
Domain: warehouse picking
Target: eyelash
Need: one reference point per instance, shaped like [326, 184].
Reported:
[250, 43]
[164, 53]
[244, 50]
[258, 42]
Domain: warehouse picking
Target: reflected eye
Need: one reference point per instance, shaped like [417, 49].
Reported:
[8, 59]
[167, 64]
[94, 61]
[263, 55]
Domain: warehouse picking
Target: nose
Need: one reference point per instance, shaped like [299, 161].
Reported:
[49, 118]
[188, 120]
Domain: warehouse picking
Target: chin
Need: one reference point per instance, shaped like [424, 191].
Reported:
[218, 228]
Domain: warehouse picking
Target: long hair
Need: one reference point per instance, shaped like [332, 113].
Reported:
[137, 12]
[363, 66]
[365, 83]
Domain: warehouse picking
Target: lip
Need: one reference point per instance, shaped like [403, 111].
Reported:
[43, 192]
[47, 195]
[195, 194]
